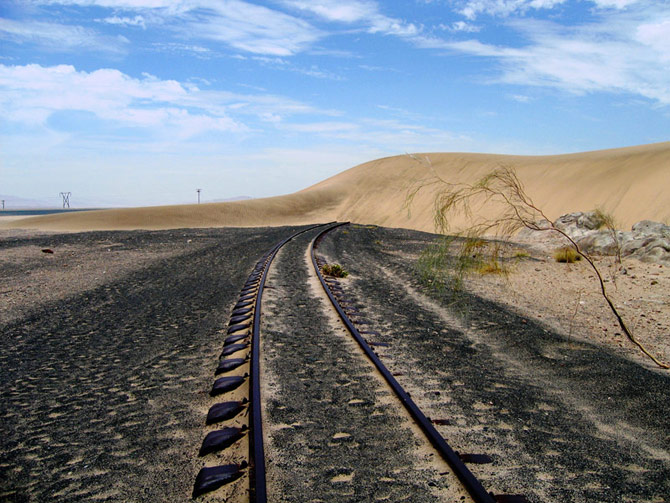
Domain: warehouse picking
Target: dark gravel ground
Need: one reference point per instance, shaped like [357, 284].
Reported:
[101, 393]
[563, 420]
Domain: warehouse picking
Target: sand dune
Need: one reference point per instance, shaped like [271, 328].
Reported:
[631, 183]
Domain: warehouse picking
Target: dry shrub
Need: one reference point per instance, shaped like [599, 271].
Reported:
[334, 270]
[566, 254]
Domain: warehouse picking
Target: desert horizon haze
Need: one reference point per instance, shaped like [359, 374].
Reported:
[631, 183]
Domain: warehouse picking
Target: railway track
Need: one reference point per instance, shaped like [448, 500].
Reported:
[103, 394]
[239, 365]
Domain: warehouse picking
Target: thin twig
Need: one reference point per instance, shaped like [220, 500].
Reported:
[503, 186]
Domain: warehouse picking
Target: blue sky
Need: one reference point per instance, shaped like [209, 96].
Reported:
[139, 102]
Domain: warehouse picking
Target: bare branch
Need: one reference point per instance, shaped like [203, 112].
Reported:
[502, 188]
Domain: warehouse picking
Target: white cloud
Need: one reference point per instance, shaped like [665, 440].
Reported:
[618, 4]
[362, 12]
[472, 8]
[125, 21]
[346, 11]
[621, 51]
[59, 37]
[32, 94]
[197, 50]
[461, 26]
[521, 98]
[323, 127]
[250, 28]
[656, 35]
[388, 135]
[117, 4]
[286, 65]
[245, 26]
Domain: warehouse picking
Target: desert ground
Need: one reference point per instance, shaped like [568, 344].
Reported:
[109, 343]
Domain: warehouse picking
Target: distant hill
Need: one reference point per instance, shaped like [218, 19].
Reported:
[632, 183]
[20, 203]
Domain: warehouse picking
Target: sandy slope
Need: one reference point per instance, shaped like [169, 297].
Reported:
[632, 183]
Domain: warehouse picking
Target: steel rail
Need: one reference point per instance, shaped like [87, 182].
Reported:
[469, 481]
[257, 486]
[258, 493]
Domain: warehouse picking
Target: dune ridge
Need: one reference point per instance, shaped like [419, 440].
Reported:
[632, 183]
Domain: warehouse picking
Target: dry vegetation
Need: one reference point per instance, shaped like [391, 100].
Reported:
[514, 210]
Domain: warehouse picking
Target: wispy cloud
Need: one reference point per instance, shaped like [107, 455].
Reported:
[386, 135]
[55, 37]
[250, 28]
[618, 4]
[125, 21]
[461, 26]
[613, 56]
[620, 50]
[472, 8]
[242, 25]
[521, 98]
[32, 94]
[178, 47]
[286, 65]
[324, 127]
[363, 12]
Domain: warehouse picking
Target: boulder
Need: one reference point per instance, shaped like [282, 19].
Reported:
[579, 224]
[647, 241]
[601, 242]
[649, 228]
[653, 249]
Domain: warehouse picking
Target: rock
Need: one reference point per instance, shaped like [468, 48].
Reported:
[649, 228]
[588, 221]
[600, 242]
[647, 241]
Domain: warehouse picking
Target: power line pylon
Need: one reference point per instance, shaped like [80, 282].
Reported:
[66, 199]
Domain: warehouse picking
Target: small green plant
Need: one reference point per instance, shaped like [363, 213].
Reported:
[520, 254]
[445, 264]
[334, 270]
[566, 254]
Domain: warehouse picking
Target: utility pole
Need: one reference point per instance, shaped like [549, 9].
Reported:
[3, 204]
[66, 199]
[198, 191]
